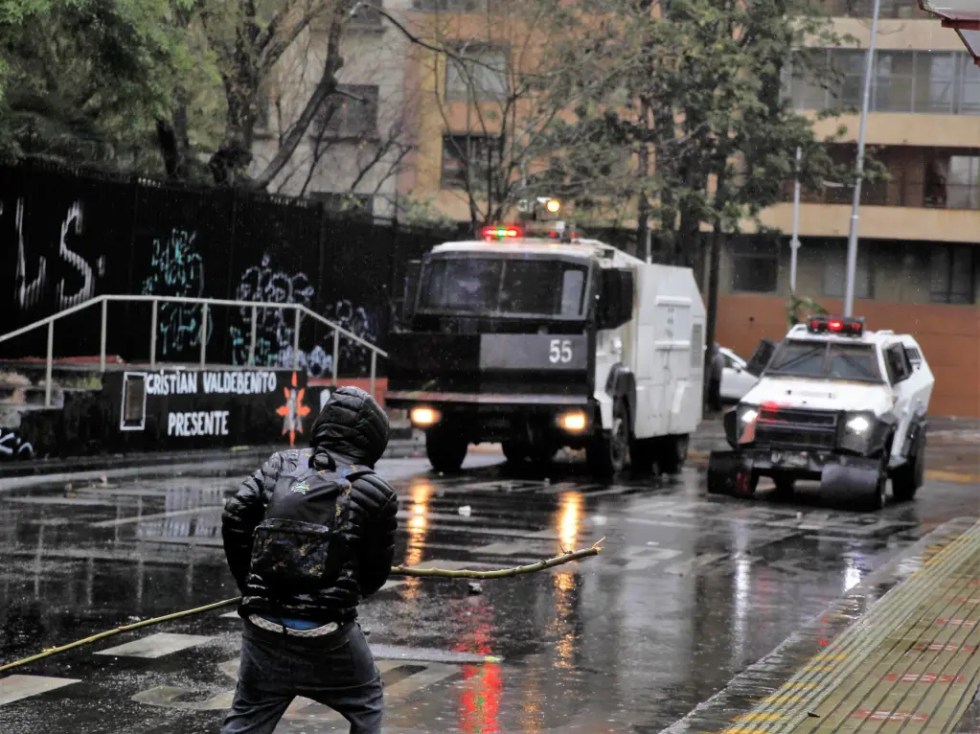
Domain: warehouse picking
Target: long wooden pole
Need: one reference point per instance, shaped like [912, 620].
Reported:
[461, 573]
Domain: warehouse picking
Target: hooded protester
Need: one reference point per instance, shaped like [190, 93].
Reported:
[306, 537]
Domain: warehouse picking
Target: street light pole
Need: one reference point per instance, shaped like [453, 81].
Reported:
[852, 238]
[794, 243]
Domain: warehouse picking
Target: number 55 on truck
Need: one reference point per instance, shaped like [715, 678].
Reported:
[541, 344]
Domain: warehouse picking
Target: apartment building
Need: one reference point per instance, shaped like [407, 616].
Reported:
[417, 132]
[362, 136]
[918, 267]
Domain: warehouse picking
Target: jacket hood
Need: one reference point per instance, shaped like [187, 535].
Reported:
[351, 427]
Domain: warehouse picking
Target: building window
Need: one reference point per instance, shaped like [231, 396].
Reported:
[351, 112]
[479, 72]
[467, 159]
[963, 182]
[935, 82]
[755, 266]
[951, 274]
[835, 273]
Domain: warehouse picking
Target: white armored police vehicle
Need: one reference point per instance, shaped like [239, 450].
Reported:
[838, 404]
[542, 344]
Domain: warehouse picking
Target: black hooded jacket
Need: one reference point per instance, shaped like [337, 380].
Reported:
[350, 430]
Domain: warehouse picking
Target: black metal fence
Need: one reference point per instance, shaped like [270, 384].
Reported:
[68, 236]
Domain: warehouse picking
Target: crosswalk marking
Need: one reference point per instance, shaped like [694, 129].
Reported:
[156, 646]
[15, 687]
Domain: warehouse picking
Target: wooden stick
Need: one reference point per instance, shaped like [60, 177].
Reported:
[462, 573]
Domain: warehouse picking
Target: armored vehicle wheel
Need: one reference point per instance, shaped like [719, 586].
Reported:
[445, 448]
[745, 483]
[514, 452]
[672, 453]
[909, 477]
[608, 451]
[875, 500]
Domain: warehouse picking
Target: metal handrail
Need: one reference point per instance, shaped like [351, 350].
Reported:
[299, 309]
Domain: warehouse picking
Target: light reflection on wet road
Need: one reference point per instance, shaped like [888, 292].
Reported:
[688, 591]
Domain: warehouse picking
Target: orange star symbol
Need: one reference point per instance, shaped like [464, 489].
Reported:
[293, 411]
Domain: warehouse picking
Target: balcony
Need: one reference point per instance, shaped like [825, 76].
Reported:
[897, 9]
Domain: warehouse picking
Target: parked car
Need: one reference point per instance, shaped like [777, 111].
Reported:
[736, 380]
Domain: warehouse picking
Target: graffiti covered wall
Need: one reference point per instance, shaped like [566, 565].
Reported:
[67, 237]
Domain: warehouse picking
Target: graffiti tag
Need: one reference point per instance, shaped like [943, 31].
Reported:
[177, 270]
[14, 446]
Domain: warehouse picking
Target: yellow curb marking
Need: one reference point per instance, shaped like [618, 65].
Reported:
[761, 716]
[830, 656]
[952, 476]
[782, 699]
[741, 730]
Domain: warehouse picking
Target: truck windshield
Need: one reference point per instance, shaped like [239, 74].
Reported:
[826, 360]
[504, 286]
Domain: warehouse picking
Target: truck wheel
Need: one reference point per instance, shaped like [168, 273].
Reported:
[673, 453]
[784, 487]
[608, 451]
[643, 456]
[908, 478]
[445, 448]
[542, 453]
[514, 452]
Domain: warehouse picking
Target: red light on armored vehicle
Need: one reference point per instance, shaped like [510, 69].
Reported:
[846, 327]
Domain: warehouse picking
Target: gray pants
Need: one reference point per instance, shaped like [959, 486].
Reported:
[336, 670]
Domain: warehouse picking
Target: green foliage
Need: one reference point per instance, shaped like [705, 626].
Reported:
[799, 308]
[691, 131]
[86, 80]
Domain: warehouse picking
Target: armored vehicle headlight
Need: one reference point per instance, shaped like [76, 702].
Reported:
[424, 417]
[746, 416]
[574, 421]
[860, 433]
[858, 424]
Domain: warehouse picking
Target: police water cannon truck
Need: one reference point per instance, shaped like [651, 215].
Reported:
[540, 343]
[836, 403]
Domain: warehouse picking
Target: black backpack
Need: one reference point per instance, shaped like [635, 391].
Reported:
[298, 547]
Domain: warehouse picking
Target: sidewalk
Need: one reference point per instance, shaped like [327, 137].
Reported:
[906, 661]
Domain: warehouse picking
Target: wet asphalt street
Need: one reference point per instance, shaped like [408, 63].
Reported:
[688, 591]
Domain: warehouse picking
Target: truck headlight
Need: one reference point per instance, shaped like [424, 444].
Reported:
[745, 419]
[574, 421]
[860, 433]
[424, 417]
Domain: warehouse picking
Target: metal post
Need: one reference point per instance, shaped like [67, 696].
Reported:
[794, 243]
[153, 334]
[204, 333]
[374, 369]
[251, 345]
[852, 238]
[336, 354]
[50, 365]
[299, 314]
[105, 321]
